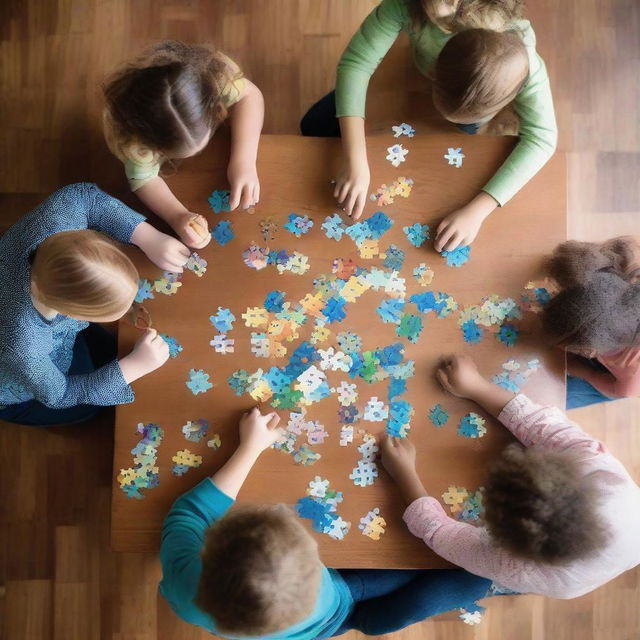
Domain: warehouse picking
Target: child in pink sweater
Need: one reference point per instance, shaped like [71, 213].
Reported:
[562, 515]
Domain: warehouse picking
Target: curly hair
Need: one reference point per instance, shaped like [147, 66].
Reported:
[538, 506]
[497, 15]
[601, 316]
[169, 98]
[260, 571]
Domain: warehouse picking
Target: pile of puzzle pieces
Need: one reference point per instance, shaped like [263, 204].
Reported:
[320, 505]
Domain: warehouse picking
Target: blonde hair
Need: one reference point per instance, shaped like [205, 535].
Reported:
[260, 571]
[84, 274]
[169, 98]
[497, 15]
[479, 72]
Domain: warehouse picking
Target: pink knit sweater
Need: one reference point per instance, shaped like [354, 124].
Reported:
[471, 547]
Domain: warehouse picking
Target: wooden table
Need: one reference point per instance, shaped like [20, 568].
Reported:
[295, 174]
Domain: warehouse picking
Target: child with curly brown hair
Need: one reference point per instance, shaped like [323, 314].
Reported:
[166, 105]
[562, 515]
[596, 318]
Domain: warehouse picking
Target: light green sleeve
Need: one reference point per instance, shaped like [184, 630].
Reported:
[538, 138]
[364, 53]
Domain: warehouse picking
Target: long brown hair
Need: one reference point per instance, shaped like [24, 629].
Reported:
[169, 98]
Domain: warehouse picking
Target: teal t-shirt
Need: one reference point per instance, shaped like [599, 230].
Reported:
[183, 535]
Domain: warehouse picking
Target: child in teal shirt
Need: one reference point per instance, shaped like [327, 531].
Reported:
[255, 571]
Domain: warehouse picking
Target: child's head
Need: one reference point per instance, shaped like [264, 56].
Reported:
[573, 263]
[598, 317]
[452, 16]
[537, 506]
[169, 99]
[84, 275]
[478, 73]
[260, 571]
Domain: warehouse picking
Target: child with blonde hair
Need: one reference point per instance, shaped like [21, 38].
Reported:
[562, 515]
[255, 571]
[485, 71]
[596, 318]
[62, 271]
[166, 105]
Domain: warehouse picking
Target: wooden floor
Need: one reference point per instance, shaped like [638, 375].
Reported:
[58, 578]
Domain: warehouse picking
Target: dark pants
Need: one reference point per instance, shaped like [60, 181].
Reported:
[94, 347]
[320, 121]
[581, 393]
[390, 599]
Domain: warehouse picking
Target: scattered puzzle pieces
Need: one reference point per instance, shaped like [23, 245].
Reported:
[373, 524]
[397, 154]
[454, 157]
[472, 426]
[417, 234]
[298, 225]
[195, 430]
[403, 129]
[457, 257]
[198, 382]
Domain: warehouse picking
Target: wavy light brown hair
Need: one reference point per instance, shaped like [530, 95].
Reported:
[260, 571]
[169, 98]
[497, 15]
[538, 506]
[84, 274]
[478, 73]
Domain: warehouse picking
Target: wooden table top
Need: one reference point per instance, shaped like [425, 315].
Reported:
[295, 176]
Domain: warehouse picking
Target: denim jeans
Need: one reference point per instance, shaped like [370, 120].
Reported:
[93, 348]
[387, 600]
[581, 393]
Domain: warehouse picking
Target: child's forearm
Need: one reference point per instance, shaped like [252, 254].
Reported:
[354, 142]
[157, 196]
[491, 397]
[483, 204]
[246, 118]
[411, 486]
[230, 478]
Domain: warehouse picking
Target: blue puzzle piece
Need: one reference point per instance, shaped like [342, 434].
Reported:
[144, 291]
[174, 346]
[390, 355]
[348, 415]
[410, 327]
[219, 201]
[198, 381]
[316, 511]
[274, 301]
[223, 320]
[223, 232]
[394, 258]
[508, 334]
[438, 416]
[298, 225]
[417, 233]
[238, 381]
[334, 311]
[278, 380]
[379, 223]
[358, 232]
[457, 257]
[471, 332]
[390, 310]
[333, 227]
[425, 301]
[396, 388]
[180, 469]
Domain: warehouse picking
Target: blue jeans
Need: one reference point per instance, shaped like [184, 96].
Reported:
[581, 393]
[94, 347]
[387, 600]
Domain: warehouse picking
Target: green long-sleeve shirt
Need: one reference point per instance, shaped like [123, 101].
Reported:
[533, 104]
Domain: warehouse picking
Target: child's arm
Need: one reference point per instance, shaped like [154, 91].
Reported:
[604, 381]
[195, 511]
[191, 227]
[538, 137]
[529, 422]
[364, 53]
[463, 544]
[246, 117]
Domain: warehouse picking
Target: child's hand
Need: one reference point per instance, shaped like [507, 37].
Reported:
[149, 353]
[398, 456]
[461, 227]
[245, 186]
[352, 186]
[257, 431]
[459, 376]
[164, 251]
[193, 230]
